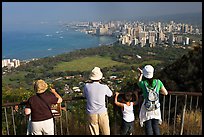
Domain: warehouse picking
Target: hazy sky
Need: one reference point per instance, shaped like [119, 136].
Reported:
[15, 14]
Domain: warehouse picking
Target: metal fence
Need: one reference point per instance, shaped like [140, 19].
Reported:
[181, 115]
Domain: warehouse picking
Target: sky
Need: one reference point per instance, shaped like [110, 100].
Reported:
[17, 14]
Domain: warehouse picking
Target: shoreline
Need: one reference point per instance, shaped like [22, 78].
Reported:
[55, 50]
[33, 59]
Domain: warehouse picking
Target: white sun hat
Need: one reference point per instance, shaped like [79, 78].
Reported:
[148, 71]
[96, 74]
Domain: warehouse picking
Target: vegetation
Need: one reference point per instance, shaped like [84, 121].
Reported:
[114, 60]
[185, 73]
[86, 64]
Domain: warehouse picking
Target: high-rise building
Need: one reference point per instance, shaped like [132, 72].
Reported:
[191, 29]
[5, 62]
[186, 28]
[152, 38]
[179, 39]
[171, 39]
[101, 31]
[170, 28]
[159, 26]
[16, 63]
[187, 41]
[142, 38]
[8, 63]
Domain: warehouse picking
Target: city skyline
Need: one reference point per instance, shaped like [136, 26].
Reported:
[14, 15]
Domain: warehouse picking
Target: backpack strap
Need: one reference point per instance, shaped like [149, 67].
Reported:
[155, 87]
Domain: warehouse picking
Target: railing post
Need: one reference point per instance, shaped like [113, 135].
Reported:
[183, 116]
[7, 128]
[115, 120]
[163, 108]
[55, 126]
[61, 125]
[14, 126]
[66, 120]
[169, 112]
[201, 130]
[196, 110]
[189, 114]
[175, 115]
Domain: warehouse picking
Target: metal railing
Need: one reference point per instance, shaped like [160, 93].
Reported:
[181, 115]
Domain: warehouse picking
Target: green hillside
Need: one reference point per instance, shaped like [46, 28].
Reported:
[86, 64]
[116, 60]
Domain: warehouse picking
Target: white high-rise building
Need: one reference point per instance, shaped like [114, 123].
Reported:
[159, 26]
[187, 41]
[16, 63]
[142, 38]
[5, 62]
[152, 38]
[8, 63]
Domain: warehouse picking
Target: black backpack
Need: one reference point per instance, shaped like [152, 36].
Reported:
[152, 99]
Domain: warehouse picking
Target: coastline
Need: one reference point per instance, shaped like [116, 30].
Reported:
[42, 47]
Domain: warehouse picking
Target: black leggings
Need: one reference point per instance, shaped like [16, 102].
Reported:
[152, 127]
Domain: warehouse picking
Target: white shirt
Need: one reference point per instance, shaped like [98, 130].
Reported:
[95, 94]
[128, 113]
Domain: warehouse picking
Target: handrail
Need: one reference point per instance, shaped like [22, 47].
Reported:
[185, 93]
[81, 97]
[24, 102]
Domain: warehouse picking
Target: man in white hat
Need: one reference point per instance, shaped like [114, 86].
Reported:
[95, 94]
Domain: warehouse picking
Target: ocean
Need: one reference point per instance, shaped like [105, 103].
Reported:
[26, 45]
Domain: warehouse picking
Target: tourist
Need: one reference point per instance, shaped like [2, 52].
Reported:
[127, 111]
[150, 113]
[95, 93]
[39, 106]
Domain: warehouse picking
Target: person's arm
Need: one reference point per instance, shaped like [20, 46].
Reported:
[163, 90]
[116, 100]
[56, 95]
[140, 75]
[27, 111]
[109, 92]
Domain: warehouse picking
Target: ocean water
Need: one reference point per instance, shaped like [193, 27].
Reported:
[25, 45]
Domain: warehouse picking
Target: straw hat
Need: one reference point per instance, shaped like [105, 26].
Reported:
[40, 86]
[96, 74]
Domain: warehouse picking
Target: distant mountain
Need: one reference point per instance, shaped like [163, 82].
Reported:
[185, 74]
[189, 18]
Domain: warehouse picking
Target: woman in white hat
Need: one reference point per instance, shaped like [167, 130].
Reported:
[39, 107]
[95, 93]
[150, 113]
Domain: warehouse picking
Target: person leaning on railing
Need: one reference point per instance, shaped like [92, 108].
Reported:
[150, 113]
[39, 107]
[127, 109]
[95, 93]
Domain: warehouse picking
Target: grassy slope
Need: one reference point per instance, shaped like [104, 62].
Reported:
[86, 64]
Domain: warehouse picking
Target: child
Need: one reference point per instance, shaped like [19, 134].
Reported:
[127, 111]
